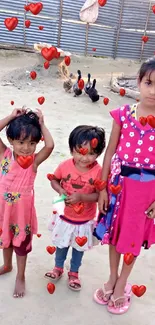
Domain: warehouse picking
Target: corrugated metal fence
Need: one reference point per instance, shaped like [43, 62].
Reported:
[117, 32]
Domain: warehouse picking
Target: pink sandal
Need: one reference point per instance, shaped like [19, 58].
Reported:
[55, 274]
[127, 301]
[74, 284]
[105, 293]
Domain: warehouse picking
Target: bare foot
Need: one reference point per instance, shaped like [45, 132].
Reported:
[118, 292]
[105, 294]
[19, 290]
[5, 269]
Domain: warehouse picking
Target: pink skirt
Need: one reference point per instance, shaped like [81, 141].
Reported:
[131, 228]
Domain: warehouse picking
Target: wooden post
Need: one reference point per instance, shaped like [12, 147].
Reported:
[145, 30]
[118, 28]
[60, 22]
[86, 41]
[24, 24]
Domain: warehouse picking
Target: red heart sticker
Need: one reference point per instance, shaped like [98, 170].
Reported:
[151, 121]
[83, 151]
[51, 177]
[115, 189]
[78, 207]
[138, 290]
[46, 65]
[35, 8]
[12, 102]
[128, 258]
[51, 249]
[25, 162]
[51, 288]
[153, 9]
[67, 60]
[143, 120]
[81, 84]
[38, 235]
[48, 53]
[106, 100]
[33, 75]
[41, 27]
[94, 49]
[102, 2]
[1, 231]
[122, 92]
[81, 241]
[27, 8]
[94, 143]
[11, 23]
[145, 39]
[27, 23]
[41, 100]
[100, 185]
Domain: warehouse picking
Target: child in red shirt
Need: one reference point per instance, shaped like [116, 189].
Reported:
[76, 178]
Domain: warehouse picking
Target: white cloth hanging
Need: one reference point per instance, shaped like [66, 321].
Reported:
[89, 11]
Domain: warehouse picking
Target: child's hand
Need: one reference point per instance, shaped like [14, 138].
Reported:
[17, 112]
[73, 198]
[103, 201]
[62, 191]
[151, 211]
[40, 116]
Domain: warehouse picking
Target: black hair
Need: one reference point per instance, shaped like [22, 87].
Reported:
[147, 66]
[85, 133]
[26, 125]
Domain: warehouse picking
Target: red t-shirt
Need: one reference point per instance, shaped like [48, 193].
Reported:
[73, 180]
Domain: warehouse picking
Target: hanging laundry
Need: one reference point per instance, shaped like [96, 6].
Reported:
[89, 11]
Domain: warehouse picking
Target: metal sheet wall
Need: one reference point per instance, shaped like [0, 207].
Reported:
[117, 32]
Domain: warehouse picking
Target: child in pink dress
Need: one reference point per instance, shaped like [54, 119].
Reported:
[127, 223]
[76, 178]
[18, 167]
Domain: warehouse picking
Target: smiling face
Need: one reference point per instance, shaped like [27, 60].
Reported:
[23, 147]
[147, 89]
[82, 161]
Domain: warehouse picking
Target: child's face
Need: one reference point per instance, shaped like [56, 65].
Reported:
[24, 147]
[147, 89]
[83, 161]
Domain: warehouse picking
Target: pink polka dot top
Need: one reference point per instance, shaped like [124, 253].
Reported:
[136, 145]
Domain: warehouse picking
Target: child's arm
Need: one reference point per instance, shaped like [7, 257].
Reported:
[5, 121]
[44, 153]
[81, 197]
[111, 149]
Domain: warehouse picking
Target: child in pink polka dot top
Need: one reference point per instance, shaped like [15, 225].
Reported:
[127, 206]
[74, 225]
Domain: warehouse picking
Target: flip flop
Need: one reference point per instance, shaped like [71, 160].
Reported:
[109, 292]
[105, 293]
[127, 301]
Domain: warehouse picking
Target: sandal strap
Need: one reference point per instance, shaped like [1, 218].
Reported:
[107, 292]
[75, 281]
[75, 274]
[114, 300]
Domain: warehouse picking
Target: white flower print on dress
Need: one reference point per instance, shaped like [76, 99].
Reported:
[140, 142]
[126, 156]
[147, 160]
[137, 165]
[151, 137]
[122, 108]
[123, 162]
[125, 126]
[122, 118]
[128, 144]
[142, 132]
[150, 149]
[151, 166]
[122, 136]
[135, 159]
[132, 123]
[131, 134]
[138, 150]
[120, 148]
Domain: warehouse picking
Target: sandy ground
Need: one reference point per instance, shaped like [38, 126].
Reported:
[62, 113]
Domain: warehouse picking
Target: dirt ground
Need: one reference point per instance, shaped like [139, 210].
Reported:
[62, 113]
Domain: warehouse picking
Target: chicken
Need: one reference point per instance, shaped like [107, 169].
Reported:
[88, 84]
[93, 93]
[77, 91]
[68, 84]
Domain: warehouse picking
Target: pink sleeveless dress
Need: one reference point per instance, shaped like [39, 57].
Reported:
[17, 211]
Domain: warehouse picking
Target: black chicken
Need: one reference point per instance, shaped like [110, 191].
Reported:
[76, 89]
[93, 93]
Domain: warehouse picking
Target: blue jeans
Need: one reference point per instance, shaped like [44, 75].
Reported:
[61, 254]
